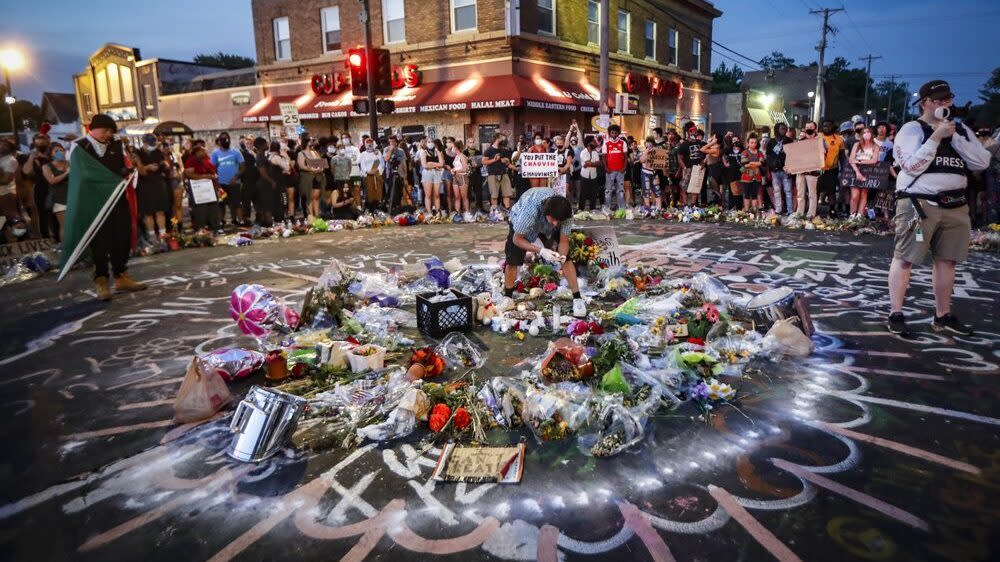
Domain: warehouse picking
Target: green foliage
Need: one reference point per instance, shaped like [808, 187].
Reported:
[777, 61]
[224, 60]
[727, 80]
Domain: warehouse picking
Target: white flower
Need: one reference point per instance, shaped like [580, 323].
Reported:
[720, 391]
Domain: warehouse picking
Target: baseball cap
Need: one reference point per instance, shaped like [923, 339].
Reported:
[846, 126]
[935, 90]
[103, 121]
[149, 138]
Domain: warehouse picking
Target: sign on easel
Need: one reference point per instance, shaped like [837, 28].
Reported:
[605, 239]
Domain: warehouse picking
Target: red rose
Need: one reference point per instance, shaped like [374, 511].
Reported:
[596, 328]
[697, 341]
[439, 417]
[589, 241]
[462, 418]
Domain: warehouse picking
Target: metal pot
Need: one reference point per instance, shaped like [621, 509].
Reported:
[263, 423]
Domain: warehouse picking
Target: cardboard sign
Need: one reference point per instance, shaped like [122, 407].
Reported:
[12, 253]
[804, 156]
[539, 165]
[559, 186]
[605, 239]
[697, 179]
[659, 158]
[504, 465]
[203, 191]
[679, 330]
[876, 176]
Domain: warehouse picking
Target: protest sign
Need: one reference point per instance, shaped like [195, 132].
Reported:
[659, 159]
[539, 165]
[605, 239]
[876, 176]
[804, 156]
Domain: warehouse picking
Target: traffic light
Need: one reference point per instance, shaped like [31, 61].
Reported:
[356, 60]
[360, 106]
[385, 105]
[382, 72]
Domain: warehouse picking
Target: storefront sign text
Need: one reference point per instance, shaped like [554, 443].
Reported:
[655, 85]
[493, 104]
[403, 76]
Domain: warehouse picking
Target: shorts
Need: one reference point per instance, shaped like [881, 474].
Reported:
[309, 181]
[499, 184]
[431, 176]
[649, 184]
[751, 189]
[514, 255]
[446, 175]
[946, 232]
[58, 208]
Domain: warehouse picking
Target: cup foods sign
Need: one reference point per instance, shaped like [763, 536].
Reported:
[403, 76]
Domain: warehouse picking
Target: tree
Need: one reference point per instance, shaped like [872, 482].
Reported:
[988, 113]
[777, 61]
[894, 96]
[26, 114]
[224, 60]
[727, 80]
[846, 87]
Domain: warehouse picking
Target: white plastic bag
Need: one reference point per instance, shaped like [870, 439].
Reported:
[201, 395]
[785, 338]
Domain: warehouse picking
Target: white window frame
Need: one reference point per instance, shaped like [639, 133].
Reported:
[646, 38]
[554, 31]
[673, 42]
[385, 24]
[598, 22]
[147, 94]
[628, 31]
[277, 41]
[128, 89]
[324, 18]
[475, 6]
[88, 102]
[696, 52]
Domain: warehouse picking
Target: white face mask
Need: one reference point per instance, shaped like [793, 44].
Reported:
[430, 146]
[538, 142]
[942, 112]
[19, 231]
[346, 141]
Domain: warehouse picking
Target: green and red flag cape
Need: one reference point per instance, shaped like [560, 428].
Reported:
[91, 186]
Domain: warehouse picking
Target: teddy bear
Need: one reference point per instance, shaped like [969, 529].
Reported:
[485, 310]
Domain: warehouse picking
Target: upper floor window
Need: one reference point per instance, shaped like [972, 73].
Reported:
[128, 94]
[672, 41]
[593, 22]
[393, 21]
[147, 92]
[102, 86]
[650, 39]
[331, 29]
[547, 16]
[624, 28]
[696, 55]
[463, 15]
[114, 86]
[282, 39]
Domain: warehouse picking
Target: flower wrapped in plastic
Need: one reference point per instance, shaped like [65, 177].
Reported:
[438, 273]
[231, 363]
[460, 353]
[616, 429]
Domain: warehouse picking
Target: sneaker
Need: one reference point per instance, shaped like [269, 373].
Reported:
[897, 324]
[948, 323]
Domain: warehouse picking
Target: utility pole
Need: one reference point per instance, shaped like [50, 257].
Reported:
[820, 100]
[605, 39]
[8, 96]
[369, 73]
[892, 94]
[868, 77]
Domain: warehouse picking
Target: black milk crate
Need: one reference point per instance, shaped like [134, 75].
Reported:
[438, 318]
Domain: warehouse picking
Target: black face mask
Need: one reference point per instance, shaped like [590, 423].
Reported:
[503, 143]
[827, 130]
[225, 144]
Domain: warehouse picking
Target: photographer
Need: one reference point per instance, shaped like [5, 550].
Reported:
[934, 155]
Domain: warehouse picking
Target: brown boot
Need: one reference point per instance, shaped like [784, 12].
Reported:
[103, 290]
[125, 283]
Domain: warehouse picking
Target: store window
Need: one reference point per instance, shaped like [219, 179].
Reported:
[547, 16]
[128, 94]
[593, 22]
[88, 103]
[102, 87]
[696, 55]
[672, 40]
[331, 29]
[147, 94]
[282, 40]
[463, 15]
[650, 39]
[114, 83]
[393, 24]
[624, 26]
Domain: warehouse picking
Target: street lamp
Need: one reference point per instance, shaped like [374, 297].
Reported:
[810, 94]
[10, 59]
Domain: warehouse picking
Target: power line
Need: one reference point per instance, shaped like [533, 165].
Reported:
[854, 26]
[680, 20]
[754, 62]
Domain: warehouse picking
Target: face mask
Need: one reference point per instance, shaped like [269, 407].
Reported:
[810, 131]
[538, 142]
[573, 142]
[346, 141]
[942, 112]
[430, 146]
[867, 136]
[369, 147]
[59, 157]
[225, 144]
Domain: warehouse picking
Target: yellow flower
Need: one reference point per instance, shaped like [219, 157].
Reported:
[720, 391]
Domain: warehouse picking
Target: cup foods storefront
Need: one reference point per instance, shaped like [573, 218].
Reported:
[531, 98]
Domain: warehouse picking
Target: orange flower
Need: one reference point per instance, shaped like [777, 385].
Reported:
[462, 418]
[439, 417]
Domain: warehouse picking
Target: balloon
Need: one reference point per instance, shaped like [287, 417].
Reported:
[231, 363]
[254, 309]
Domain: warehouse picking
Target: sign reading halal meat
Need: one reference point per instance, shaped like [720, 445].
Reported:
[403, 76]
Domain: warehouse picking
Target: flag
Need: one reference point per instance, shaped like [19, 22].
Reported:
[94, 190]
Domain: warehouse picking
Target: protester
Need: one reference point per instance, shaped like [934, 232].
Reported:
[991, 177]
[539, 145]
[807, 181]
[751, 178]
[56, 173]
[372, 166]
[934, 155]
[198, 166]
[10, 212]
[342, 202]
[540, 223]
[781, 182]
[615, 160]
[713, 170]
[691, 157]
[576, 145]
[460, 180]
[394, 164]
[228, 163]
[152, 192]
[32, 168]
[865, 152]
[671, 180]
[732, 161]
[496, 159]
[829, 180]
[248, 181]
[651, 198]
[354, 153]
[113, 240]
[269, 175]
[432, 164]
[312, 178]
[590, 161]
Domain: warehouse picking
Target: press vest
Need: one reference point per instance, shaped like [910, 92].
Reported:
[946, 159]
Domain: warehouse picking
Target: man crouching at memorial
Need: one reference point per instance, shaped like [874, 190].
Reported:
[934, 154]
[540, 223]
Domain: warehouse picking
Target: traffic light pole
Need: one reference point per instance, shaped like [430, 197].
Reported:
[369, 72]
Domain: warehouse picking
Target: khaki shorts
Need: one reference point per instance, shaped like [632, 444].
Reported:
[498, 184]
[946, 232]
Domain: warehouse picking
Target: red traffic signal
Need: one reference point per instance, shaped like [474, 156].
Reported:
[356, 60]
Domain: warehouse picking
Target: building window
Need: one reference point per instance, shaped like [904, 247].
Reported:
[463, 15]
[593, 22]
[282, 40]
[114, 84]
[102, 87]
[88, 103]
[147, 94]
[651, 39]
[672, 40]
[128, 94]
[624, 26]
[331, 29]
[393, 21]
[547, 16]
[696, 55]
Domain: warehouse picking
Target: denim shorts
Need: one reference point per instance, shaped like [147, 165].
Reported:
[431, 176]
[446, 175]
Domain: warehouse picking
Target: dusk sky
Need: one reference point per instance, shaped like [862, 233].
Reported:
[918, 39]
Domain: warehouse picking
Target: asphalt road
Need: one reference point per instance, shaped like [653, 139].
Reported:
[874, 448]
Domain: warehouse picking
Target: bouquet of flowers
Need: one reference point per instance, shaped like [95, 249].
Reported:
[582, 248]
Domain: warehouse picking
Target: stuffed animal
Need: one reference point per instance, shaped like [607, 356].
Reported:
[485, 310]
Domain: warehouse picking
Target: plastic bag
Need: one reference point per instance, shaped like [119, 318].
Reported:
[231, 363]
[332, 275]
[374, 285]
[201, 395]
[17, 273]
[479, 278]
[460, 352]
[400, 423]
[437, 272]
[785, 338]
[712, 288]
[618, 430]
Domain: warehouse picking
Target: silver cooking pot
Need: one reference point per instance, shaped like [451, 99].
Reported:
[263, 423]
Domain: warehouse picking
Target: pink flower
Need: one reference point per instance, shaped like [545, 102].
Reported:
[549, 287]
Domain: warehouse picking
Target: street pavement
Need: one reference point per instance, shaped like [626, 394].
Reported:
[874, 448]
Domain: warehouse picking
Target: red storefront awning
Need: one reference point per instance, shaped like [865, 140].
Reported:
[488, 92]
[269, 108]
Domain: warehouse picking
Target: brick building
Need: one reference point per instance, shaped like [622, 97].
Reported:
[472, 67]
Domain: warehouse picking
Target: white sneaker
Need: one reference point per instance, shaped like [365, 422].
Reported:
[579, 308]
